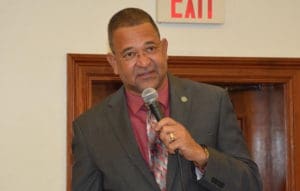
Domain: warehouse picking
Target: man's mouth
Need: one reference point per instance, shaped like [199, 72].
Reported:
[148, 74]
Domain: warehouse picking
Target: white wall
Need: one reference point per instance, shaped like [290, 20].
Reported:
[36, 35]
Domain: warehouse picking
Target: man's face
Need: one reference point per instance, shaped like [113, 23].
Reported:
[140, 57]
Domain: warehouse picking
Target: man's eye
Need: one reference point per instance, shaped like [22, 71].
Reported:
[151, 49]
[129, 55]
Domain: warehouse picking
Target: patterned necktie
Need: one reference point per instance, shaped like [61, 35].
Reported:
[158, 155]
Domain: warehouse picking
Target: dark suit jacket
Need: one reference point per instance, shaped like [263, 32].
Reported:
[106, 155]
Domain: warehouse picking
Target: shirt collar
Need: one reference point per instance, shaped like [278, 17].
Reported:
[135, 102]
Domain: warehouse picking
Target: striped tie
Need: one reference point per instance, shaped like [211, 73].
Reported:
[158, 155]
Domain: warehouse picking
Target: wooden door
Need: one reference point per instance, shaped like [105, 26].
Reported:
[260, 112]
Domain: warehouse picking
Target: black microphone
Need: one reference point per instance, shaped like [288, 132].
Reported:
[150, 97]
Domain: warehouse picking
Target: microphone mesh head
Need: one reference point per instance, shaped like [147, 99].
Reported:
[149, 95]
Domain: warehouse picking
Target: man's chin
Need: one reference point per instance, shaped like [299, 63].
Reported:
[147, 85]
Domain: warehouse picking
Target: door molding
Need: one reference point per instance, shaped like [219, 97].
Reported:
[85, 69]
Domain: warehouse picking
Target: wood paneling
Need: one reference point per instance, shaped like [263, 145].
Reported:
[265, 93]
[262, 113]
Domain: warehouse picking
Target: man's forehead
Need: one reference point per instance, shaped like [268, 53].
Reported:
[135, 36]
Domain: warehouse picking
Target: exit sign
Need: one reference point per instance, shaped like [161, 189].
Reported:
[190, 11]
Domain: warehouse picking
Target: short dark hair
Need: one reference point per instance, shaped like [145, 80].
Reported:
[128, 17]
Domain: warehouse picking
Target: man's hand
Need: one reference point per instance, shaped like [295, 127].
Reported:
[176, 137]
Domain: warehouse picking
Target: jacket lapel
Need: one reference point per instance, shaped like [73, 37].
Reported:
[124, 133]
[179, 104]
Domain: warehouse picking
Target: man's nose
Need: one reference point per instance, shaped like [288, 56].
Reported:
[143, 59]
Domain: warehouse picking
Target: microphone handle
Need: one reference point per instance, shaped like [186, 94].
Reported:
[156, 111]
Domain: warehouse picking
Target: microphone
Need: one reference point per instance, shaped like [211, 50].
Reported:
[150, 97]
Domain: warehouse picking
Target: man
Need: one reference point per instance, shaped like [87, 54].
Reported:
[200, 142]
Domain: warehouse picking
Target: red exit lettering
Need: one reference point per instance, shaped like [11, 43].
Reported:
[191, 10]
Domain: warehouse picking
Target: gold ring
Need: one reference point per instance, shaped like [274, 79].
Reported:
[171, 137]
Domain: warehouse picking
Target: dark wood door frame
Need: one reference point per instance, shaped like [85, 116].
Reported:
[84, 69]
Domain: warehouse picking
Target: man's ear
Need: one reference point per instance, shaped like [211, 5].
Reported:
[110, 57]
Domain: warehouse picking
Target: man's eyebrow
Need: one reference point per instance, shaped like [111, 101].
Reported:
[132, 48]
[127, 49]
[149, 42]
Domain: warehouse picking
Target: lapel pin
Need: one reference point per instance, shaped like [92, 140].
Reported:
[184, 99]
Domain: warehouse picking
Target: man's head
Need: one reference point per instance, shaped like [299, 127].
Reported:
[126, 18]
[138, 55]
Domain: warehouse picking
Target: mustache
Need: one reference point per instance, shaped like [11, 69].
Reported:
[143, 71]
